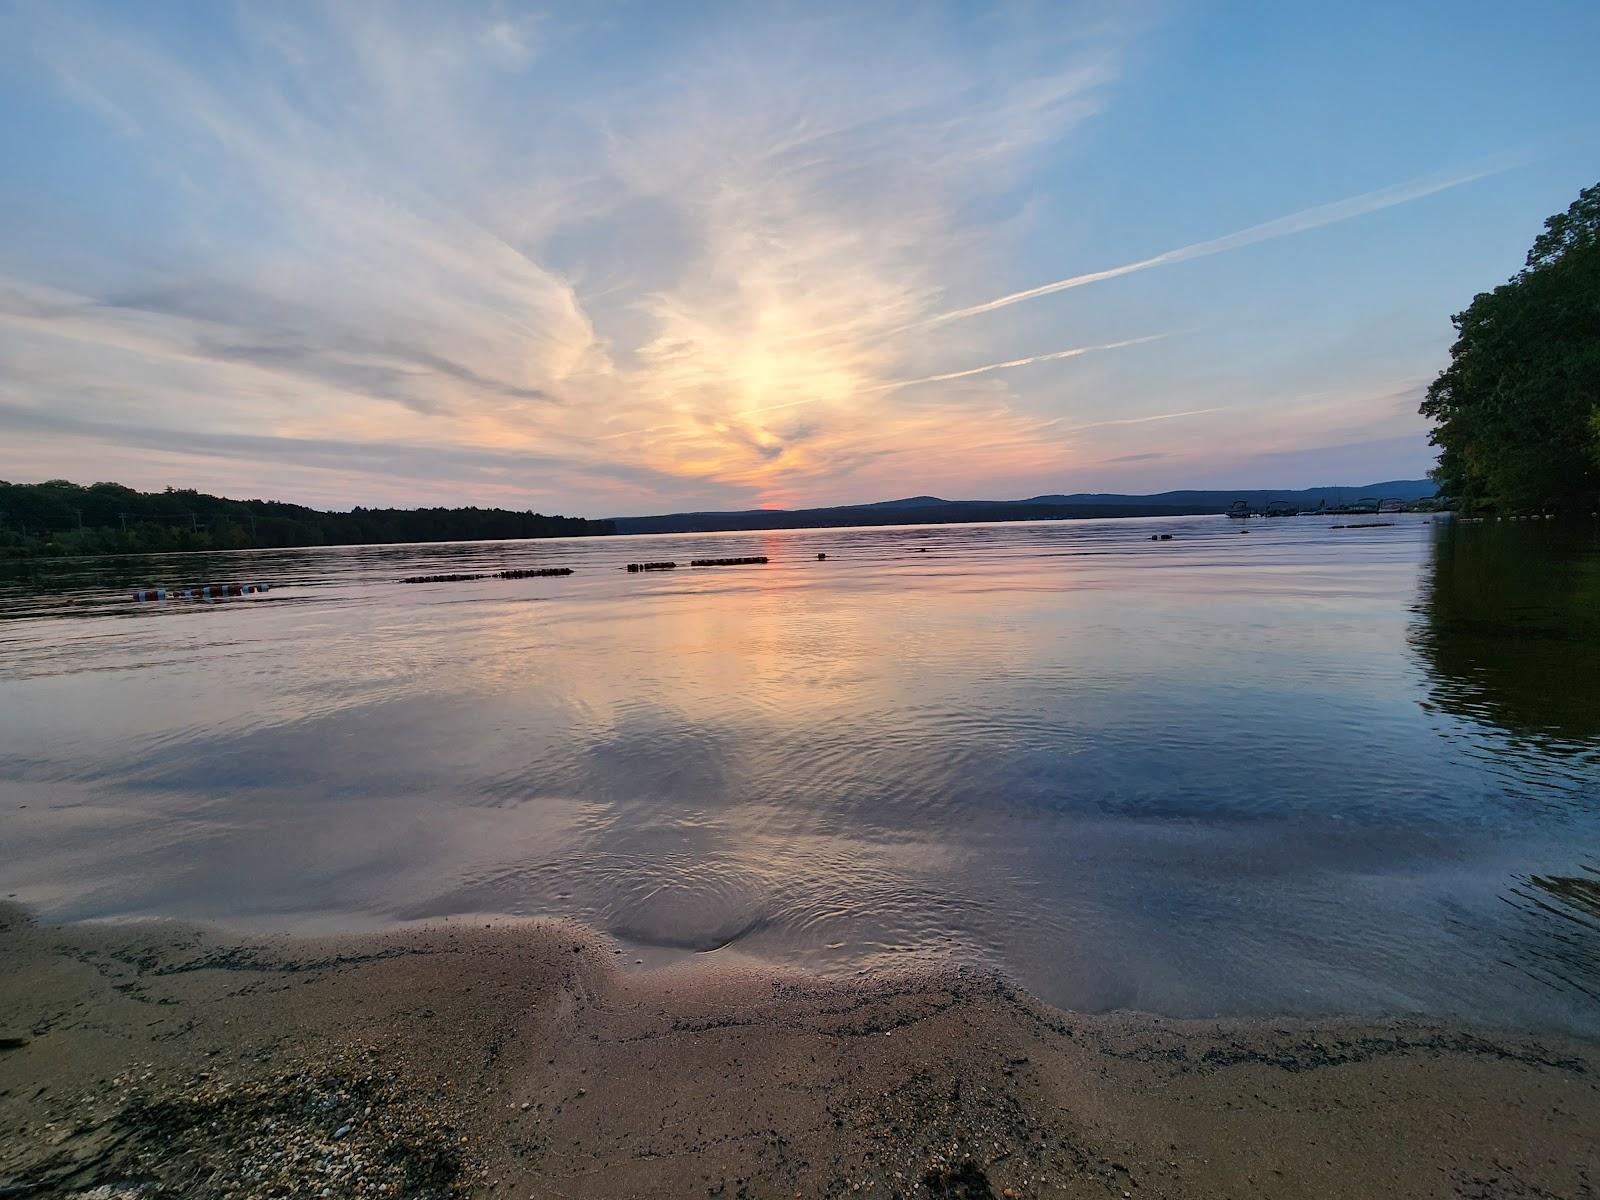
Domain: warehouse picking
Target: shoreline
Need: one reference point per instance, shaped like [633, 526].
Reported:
[520, 1061]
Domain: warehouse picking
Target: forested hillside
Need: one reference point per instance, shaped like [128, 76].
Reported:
[60, 518]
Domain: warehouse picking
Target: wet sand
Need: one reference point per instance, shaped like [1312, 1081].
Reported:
[526, 1061]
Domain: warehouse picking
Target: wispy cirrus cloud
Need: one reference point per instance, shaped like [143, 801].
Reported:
[641, 263]
[355, 252]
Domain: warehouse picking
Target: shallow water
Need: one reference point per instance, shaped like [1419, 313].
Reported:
[1303, 770]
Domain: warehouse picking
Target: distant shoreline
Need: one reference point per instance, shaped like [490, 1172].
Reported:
[957, 513]
[523, 1061]
[1097, 515]
[61, 519]
[931, 510]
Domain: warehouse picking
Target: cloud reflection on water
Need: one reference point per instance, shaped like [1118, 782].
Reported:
[1216, 775]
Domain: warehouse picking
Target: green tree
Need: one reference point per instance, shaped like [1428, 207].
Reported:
[1517, 411]
[59, 517]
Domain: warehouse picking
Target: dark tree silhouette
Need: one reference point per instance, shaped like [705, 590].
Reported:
[58, 517]
[1517, 411]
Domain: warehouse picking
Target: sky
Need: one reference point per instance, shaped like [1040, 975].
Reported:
[609, 259]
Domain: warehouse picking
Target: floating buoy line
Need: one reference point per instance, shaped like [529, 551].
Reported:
[525, 573]
[217, 591]
[208, 591]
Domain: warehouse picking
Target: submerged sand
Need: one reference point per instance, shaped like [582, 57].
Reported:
[525, 1062]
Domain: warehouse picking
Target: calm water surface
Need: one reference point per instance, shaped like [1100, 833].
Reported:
[1303, 770]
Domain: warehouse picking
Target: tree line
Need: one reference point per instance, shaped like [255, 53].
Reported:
[1517, 411]
[62, 518]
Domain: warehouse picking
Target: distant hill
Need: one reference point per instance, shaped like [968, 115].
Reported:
[931, 510]
[1403, 489]
[908, 502]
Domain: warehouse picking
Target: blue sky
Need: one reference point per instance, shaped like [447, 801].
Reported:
[609, 259]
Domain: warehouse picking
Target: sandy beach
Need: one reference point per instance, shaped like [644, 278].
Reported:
[529, 1061]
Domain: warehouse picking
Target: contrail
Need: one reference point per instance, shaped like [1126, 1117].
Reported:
[1192, 412]
[1299, 222]
[1014, 362]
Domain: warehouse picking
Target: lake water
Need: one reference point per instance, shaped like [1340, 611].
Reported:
[1301, 770]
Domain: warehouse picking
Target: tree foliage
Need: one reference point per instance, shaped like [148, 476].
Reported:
[1517, 411]
[58, 517]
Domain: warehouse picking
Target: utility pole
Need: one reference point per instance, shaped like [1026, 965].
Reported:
[123, 517]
